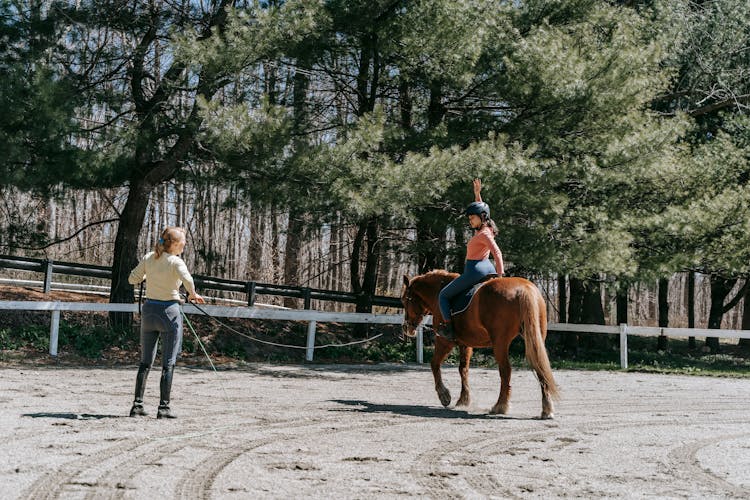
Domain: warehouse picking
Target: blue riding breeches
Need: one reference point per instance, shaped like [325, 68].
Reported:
[161, 319]
[474, 272]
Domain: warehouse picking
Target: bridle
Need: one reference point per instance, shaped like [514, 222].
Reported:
[417, 301]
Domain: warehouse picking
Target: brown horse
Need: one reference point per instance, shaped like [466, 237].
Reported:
[501, 309]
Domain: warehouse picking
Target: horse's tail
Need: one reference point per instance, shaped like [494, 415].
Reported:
[533, 319]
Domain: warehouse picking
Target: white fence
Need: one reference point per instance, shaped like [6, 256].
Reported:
[313, 317]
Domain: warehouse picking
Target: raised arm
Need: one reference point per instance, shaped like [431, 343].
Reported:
[477, 190]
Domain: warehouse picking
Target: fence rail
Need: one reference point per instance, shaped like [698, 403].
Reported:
[250, 288]
[312, 317]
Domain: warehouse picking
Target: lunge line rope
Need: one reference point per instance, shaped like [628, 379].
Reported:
[288, 346]
[190, 325]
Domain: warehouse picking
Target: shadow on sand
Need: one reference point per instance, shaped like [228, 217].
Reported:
[359, 406]
[70, 416]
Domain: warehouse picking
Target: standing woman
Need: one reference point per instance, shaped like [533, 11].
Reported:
[164, 272]
[477, 265]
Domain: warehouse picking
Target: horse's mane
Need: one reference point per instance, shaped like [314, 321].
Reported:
[435, 278]
[442, 273]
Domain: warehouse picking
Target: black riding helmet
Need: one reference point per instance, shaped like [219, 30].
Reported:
[478, 208]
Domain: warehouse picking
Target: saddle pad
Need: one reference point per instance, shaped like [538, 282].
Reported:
[461, 302]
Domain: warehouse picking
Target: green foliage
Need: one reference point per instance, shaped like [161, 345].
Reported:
[609, 139]
[92, 341]
[86, 340]
[38, 102]
[567, 143]
[706, 208]
[707, 49]
[36, 337]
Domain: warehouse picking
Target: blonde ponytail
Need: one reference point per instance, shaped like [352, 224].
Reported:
[169, 236]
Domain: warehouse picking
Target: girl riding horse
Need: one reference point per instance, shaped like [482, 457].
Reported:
[478, 265]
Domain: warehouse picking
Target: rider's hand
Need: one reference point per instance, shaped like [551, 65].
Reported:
[194, 297]
[477, 190]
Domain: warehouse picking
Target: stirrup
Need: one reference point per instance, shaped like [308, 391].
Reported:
[446, 331]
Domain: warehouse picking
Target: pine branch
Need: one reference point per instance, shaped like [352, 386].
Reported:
[63, 240]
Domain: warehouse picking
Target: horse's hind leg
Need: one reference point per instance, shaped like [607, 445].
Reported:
[442, 349]
[503, 362]
[463, 369]
[548, 409]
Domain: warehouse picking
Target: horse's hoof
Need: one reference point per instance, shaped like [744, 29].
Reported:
[463, 402]
[547, 416]
[499, 410]
[445, 397]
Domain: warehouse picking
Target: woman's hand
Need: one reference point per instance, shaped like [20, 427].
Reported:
[477, 190]
[194, 297]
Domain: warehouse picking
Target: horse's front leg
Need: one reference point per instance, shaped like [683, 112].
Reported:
[442, 349]
[463, 370]
[503, 363]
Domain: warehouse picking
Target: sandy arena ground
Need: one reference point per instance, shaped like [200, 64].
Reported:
[370, 431]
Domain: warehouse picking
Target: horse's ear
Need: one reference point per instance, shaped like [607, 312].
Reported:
[406, 280]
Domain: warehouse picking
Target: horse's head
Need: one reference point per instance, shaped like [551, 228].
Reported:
[415, 308]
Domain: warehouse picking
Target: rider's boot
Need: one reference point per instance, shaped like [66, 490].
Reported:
[165, 388]
[137, 409]
[445, 330]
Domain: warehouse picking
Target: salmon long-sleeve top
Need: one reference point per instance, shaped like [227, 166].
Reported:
[481, 245]
[163, 276]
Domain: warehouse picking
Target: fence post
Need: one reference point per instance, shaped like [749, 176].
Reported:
[310, 341]
[420, 344]
[48, 276]
[54, 329]
[307, 295]
[250, 289]
[624, 346]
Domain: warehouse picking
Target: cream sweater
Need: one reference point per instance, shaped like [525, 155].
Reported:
[163, 276]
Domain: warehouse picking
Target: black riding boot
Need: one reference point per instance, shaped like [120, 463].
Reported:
[446, 331]
[140, 386]
[166, 389]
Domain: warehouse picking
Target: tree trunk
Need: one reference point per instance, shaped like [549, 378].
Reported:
[153, 165]
[585, 302]
[363, 284]
[745, 343]
[435, 108]
[691, 307]
[430, 242]
[622, 304]
[405, 104]
[720, 288]
[459, 256]
[663, 312]
[126, 253]
[255, 246]
[562, 298]
[585, 308]
[300, 86]
[291, 254]
[275, 253]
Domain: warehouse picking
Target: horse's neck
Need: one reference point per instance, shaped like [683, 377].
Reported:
[430, 297]
[432, 305]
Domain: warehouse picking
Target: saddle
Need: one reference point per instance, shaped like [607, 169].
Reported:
[461, 302]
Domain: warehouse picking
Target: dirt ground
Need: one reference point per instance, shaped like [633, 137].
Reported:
[369, 431]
